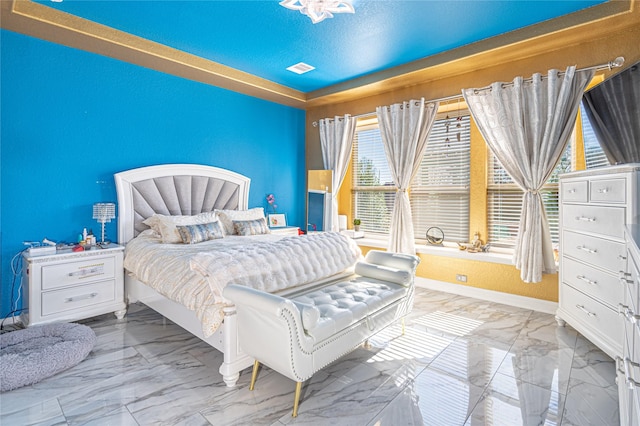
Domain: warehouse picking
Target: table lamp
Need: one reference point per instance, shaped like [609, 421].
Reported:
[103, 213]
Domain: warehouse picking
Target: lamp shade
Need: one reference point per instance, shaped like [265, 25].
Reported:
[104, 212]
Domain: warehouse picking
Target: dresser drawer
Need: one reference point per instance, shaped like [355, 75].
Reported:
[596, 251]
[78, 297]
[596, 219]
[592, 314]
[83, 271]
[576, 191]
[608, 191]
[598, 284]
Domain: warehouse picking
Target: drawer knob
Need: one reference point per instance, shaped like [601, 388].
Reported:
[572, 191]
[585, 310]
[621, 257]
[586, 280]
[626, 281]
[603, 190]
[88, 271]
[587, 249]
[628, 368]
[83, 297]
[585, 219]
[625, 311]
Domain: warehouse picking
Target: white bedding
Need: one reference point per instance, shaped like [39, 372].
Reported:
[194, 275]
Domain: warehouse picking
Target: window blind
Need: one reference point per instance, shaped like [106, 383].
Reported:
[504, 202]
[439, 193]
[373, 189]
[440, 190]
[593, 154]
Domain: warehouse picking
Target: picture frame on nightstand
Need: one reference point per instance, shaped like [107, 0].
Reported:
[277, 220]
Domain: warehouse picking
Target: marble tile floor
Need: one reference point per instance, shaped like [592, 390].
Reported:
[461, 361]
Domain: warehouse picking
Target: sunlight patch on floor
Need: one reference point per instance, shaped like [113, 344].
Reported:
[449, 323]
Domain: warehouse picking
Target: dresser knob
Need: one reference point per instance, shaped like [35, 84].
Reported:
[585, 310]
[603, 190]
[586, 219]
[621, 257]
[586, 280]
[587, 249]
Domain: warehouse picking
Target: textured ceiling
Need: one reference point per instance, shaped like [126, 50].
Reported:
[262, 38]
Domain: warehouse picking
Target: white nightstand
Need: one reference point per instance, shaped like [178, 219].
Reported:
[70, 285]
[285, 230]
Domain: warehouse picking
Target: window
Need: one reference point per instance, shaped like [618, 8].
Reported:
[440, 190]
[373, 189]
[504, 202]
[593, 154]
[439, 193]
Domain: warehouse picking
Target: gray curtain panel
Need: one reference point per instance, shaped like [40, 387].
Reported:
[613, 109]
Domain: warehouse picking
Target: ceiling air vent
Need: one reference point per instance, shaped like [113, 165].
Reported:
[300, 68]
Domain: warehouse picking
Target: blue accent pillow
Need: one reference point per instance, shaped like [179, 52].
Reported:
[192, 234]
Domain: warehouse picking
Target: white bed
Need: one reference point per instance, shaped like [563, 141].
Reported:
[184, 189]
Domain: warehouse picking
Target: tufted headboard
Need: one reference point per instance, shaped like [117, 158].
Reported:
[175, 189]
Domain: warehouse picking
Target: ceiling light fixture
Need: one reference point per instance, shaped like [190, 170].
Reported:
[318, 10]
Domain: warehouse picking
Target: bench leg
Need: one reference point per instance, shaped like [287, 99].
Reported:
[254, 374]
[296, 399]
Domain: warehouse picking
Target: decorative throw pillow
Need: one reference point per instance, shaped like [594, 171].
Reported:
[192, 234]
[251, 227]
[166, 225]
[228, 216]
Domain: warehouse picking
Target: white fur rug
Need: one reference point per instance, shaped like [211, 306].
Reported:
[33, 354]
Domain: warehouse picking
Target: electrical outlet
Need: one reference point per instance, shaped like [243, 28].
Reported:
[461, 278]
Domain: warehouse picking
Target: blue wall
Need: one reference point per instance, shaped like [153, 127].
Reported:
[71, 119]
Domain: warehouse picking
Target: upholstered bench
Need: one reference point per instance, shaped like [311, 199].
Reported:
[300, 333]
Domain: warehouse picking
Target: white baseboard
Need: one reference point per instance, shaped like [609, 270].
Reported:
[489, 295]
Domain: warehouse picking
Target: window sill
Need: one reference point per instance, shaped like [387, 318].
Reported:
[454, 252]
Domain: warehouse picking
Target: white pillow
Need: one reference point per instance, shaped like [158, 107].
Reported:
[166, 225]
[228, 216]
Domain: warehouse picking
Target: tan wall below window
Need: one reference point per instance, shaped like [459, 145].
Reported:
[485, 275]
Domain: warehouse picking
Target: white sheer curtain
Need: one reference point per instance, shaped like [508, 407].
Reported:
[404, 129]
[527, 125]
[336, 137]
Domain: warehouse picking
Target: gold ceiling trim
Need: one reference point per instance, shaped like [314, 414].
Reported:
[33, 19]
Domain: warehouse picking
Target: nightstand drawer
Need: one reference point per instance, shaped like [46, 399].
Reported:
[82, 271]
[594, 282]
[575, 191]
[597, 219]
[78, 297]
[595, 251]
[608, 190]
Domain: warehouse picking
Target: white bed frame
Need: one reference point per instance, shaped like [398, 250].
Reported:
[225, 338]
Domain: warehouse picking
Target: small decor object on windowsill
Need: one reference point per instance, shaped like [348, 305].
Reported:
[435, 236]
[475, 246]
[356, 224]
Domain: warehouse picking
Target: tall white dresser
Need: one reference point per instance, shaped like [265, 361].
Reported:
[596, 205]
[628, 364]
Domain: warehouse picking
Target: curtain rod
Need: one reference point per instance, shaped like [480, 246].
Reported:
[616, 63]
